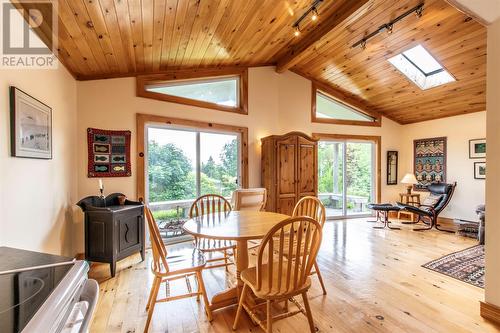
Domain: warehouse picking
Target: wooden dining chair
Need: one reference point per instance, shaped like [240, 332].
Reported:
[276, 278]
[312, 207]
[180, 264]
[209, 205]
[249, 199]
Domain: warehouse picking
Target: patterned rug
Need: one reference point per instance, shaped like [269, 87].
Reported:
[466, 265]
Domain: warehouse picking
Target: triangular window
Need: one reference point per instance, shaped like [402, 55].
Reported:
[226, 92]
[329, 108]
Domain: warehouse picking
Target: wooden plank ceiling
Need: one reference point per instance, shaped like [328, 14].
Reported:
[113, 38]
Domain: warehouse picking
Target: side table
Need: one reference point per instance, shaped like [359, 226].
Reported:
[409, 199]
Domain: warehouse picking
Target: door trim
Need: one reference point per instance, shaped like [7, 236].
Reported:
[378, 154]
[146, 119]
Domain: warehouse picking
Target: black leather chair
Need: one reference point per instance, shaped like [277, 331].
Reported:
[429, 214]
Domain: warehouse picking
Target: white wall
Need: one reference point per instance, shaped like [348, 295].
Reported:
[459, 130]
[493, 167]
[37, 196]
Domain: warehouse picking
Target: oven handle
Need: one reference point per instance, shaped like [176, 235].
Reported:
[90, 293]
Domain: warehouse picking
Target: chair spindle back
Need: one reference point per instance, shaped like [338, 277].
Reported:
[300, 238]
[157, 246]
[311, 207]
[209, 204]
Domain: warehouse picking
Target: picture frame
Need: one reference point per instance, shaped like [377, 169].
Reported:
[479, 170]
[477, 148]
[30, 126]
[392, 167]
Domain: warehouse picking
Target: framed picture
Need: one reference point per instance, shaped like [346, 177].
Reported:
[30, 126]
[392, 167]
[479, 170]
[477, 148]
[430, 162]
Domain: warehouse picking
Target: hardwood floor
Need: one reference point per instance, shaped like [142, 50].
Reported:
[374, 279]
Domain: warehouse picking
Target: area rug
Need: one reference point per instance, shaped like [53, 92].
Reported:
[466, 265]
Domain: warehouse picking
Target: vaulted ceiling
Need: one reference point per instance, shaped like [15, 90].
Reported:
[114, 38]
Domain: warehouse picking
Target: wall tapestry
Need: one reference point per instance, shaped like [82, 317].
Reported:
[109, 153]
[430, 161]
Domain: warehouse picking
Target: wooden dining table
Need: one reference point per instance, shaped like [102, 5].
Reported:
[238, 226]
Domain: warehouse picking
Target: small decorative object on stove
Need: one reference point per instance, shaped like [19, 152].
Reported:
[101, 189]
[410, 180]
[108, 153]
[122, 199]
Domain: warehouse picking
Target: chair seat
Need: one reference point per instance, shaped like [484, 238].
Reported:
[271, 291]
[209, 245]
[412, 209]
[182, 261]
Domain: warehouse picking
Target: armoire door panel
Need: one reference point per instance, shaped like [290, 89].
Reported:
[286, 169]
[307, 169]
[286, 205]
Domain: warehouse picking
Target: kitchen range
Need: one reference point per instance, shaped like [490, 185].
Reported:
[43, 293]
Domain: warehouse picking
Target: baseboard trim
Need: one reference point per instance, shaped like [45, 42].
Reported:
[490, 312]
[80, 256]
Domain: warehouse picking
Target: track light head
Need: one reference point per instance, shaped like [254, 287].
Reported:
[389, 28]
[315, 15]
[419, 11]
[296, 33]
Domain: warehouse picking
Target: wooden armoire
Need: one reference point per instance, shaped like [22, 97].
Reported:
[289, 170]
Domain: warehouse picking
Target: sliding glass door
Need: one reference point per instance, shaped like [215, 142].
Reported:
[184, 163]
[346, 177]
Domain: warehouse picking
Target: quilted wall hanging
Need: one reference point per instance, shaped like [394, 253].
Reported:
[109, 153]
[430, 161]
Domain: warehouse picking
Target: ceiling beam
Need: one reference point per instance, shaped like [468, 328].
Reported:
[292, 57]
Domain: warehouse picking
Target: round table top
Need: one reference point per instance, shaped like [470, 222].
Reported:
[235, 225]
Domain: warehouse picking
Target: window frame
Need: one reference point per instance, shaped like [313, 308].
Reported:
[143, 120]
[344, 100]
[142, 81]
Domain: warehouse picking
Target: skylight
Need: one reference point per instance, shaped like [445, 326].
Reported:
[419, 66]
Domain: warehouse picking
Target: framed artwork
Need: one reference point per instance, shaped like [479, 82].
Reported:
[479, 170]
[30, 126]
[108, 153]
[477, 148]
[392, 167]
[430, 161]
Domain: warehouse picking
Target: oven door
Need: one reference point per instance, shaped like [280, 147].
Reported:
[81, 314]
[70, 306]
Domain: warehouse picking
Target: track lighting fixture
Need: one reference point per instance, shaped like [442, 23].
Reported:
[389, 27]
[313, 8]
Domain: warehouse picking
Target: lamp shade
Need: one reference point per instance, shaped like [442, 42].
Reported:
[409, 178]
